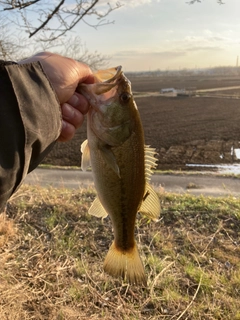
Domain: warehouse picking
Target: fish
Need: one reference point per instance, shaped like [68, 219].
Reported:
[122, 166]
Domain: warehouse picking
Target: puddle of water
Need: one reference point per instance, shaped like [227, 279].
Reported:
[237, 153]
[221, 168]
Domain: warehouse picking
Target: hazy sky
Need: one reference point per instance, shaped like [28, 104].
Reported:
[168, 34]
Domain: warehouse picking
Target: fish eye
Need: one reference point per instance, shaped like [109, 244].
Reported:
[125, 97]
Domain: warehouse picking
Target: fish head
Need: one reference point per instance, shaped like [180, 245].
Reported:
[113, 110]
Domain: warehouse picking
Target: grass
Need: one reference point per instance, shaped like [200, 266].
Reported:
[52, 252]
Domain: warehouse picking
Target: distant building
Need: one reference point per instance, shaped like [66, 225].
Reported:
[186, 92]
[168, 90]
[181, 92]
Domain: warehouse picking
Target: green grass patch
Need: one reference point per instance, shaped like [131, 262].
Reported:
[52, 253]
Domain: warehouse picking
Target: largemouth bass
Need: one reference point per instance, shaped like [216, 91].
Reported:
[121, 166]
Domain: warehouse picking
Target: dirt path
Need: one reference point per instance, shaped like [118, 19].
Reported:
[196, 184]
[218, 89]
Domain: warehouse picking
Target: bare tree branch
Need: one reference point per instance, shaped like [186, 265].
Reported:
[75, 21]
[19, 4]
[47, 13]
[50, 16]
[11, 44]
[15, 47]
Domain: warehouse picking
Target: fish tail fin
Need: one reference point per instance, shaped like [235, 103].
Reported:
[125, 264]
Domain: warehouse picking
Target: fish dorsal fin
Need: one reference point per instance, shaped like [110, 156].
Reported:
[86, 162]
[97, 209]
[150, 206]
[110, 158]
[150, 162]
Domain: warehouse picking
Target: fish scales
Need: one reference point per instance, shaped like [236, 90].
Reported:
[120, 196]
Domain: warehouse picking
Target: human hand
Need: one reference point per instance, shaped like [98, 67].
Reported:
[65, 74]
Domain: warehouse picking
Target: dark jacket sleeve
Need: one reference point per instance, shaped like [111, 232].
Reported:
[30, 123]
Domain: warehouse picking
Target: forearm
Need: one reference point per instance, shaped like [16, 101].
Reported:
[30, 123]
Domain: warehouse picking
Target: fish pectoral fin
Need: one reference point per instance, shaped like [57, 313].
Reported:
[97, 209]
[150, 206]
[125, 264]
[86, 162]
[110, 159]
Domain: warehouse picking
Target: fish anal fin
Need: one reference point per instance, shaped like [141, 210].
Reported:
[86, 162]
[97, 209]
[110, 159]
[126, 265]
[150, 206]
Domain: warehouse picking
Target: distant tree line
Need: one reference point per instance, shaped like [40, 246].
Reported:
[225, 71]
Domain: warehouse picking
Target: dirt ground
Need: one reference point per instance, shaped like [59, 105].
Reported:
[197, 130]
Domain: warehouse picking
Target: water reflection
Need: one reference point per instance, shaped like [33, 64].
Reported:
[220, 168]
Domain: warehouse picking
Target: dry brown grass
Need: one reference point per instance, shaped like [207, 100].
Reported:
[52, 255]
[7, 230]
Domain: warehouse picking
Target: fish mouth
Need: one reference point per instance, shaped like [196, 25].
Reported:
[118, 74]
[108, 76]
[105, 88]
[111, 81]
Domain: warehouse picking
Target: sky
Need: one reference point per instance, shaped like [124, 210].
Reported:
[167, 35]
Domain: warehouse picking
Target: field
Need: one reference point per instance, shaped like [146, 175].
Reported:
[52, 253]
[199, 129]
[154, 84]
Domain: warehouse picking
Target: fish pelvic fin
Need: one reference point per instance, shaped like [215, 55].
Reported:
[150, 206]
[97, 209]
[125, 264]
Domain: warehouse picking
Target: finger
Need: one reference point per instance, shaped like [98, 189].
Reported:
[79, 102]
[67, 133]
[72, 115]
[89, 79]
[85, 73]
